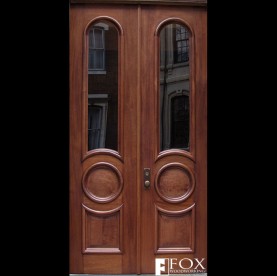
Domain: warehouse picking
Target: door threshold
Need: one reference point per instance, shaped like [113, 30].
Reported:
[195, 274]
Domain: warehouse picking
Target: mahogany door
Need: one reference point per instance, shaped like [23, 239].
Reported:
[138, 164]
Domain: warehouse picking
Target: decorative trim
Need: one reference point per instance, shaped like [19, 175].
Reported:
[150, 2]
[109, 167]
[165, 250]
[107, 18]
[184, 196]
[172, 20]
[102, 214]
[171, 152]
[102, 151]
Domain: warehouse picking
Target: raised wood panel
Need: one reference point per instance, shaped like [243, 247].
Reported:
[174, 182]
[113, 264]
[174, 230]
[102, 182]
[102, 231]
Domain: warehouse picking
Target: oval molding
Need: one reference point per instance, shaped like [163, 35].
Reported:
[102, 182]
[174, 182]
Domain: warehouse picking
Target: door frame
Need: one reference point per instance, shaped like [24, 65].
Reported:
[192, 3]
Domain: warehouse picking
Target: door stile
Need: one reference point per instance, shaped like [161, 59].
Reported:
[76, 260]
[139, 165]
[147, 142]
[130, 140]
[201, 135]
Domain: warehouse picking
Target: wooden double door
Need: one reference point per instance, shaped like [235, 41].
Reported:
[138, 135]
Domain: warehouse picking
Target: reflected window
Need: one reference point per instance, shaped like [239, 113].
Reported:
[181, 44]
[103, 86]
[174, 88]
[96, 49]
[97, 121]
[180, 122]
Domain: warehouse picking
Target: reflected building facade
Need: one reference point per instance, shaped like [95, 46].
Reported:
[103, 86]
[174, 87]
[174, 103]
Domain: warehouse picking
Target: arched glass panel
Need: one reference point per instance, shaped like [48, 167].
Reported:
[103, 86]
[174, 87]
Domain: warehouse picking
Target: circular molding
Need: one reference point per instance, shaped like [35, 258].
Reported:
[174, 182]
[102, 182]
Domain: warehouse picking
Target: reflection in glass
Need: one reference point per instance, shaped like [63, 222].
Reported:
[174, 87]
[103, 86]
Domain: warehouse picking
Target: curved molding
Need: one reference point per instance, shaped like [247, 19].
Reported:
[102, 213]
[103, 151]
[170, 152]
[108, 18]
[180, 198]
[168, 212]
[110, 168]
[170, 21]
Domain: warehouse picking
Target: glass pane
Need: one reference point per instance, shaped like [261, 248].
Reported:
[94, 126]
[103, 86]
[180, 122]
[174, 88]
[98, 59]
[98, 39]
[91, 39]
